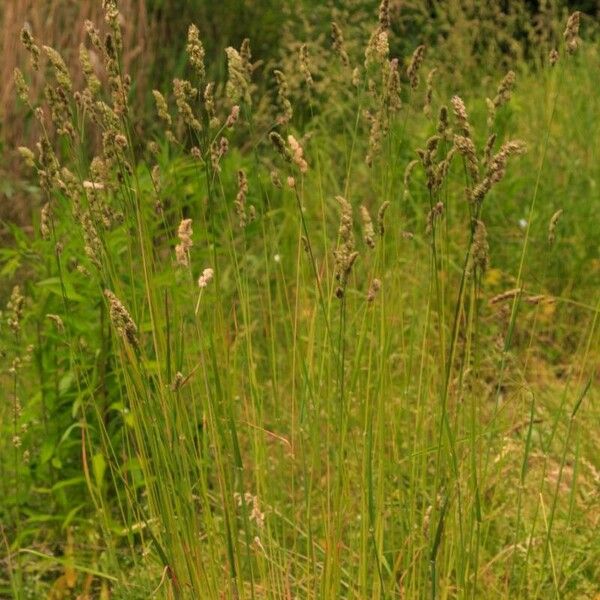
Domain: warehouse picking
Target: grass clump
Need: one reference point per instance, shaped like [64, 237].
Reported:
[312, 349]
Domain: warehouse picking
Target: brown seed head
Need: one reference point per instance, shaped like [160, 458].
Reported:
[460, 111]
[305, 65]
[412, 71]
[121, 319]
[381, 217]
[337, 40]
[373, 290]
[571, 33]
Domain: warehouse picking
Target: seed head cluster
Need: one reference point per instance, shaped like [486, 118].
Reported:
[182, 250]
[345, 254]
[121, 319]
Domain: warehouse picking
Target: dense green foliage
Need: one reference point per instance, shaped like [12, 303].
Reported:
[331, 333]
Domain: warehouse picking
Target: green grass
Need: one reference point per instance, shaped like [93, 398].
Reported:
[276, 434]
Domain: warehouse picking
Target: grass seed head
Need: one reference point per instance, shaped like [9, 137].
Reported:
[240, 200]
[304, 65]
[185, 93]
[489, 147]
[410, 167]
[27, 155]
[46, 221]
[412, 71]
[280, 145]
[433, 215]
[92, 244]
[368, 229]
[381, 217]
[205, 278]
[61, 73]
[373, 290]
[283, 101]
[184, 233]
[384, 14]
[233, 117]
[121, 319]
[195, 52]
[442, 168]
[466, 147]
[297, 154]
[553, 225]
[239, 77]
[61, 113]
[94, 36]
[113, 20]
[460, 111]
[497, 166]
[379, 128]
[345, 255]
[91, 79]
[15, 310]
[28, 41]
[508, 295]
[442, 127]
[571, 33]
[429, 92]
[209, 104]
[275, 179]
[502, 97]
[392, 97]
[480, 251]
[21, 86]
[337, 40]
[58, 322]
[378, 49]
[246, 56]
[162, 108]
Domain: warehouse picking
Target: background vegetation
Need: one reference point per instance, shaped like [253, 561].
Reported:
[318, 318]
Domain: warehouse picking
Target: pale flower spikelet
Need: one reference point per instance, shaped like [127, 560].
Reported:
[297, 154]
[205, 278]
[184, 233]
